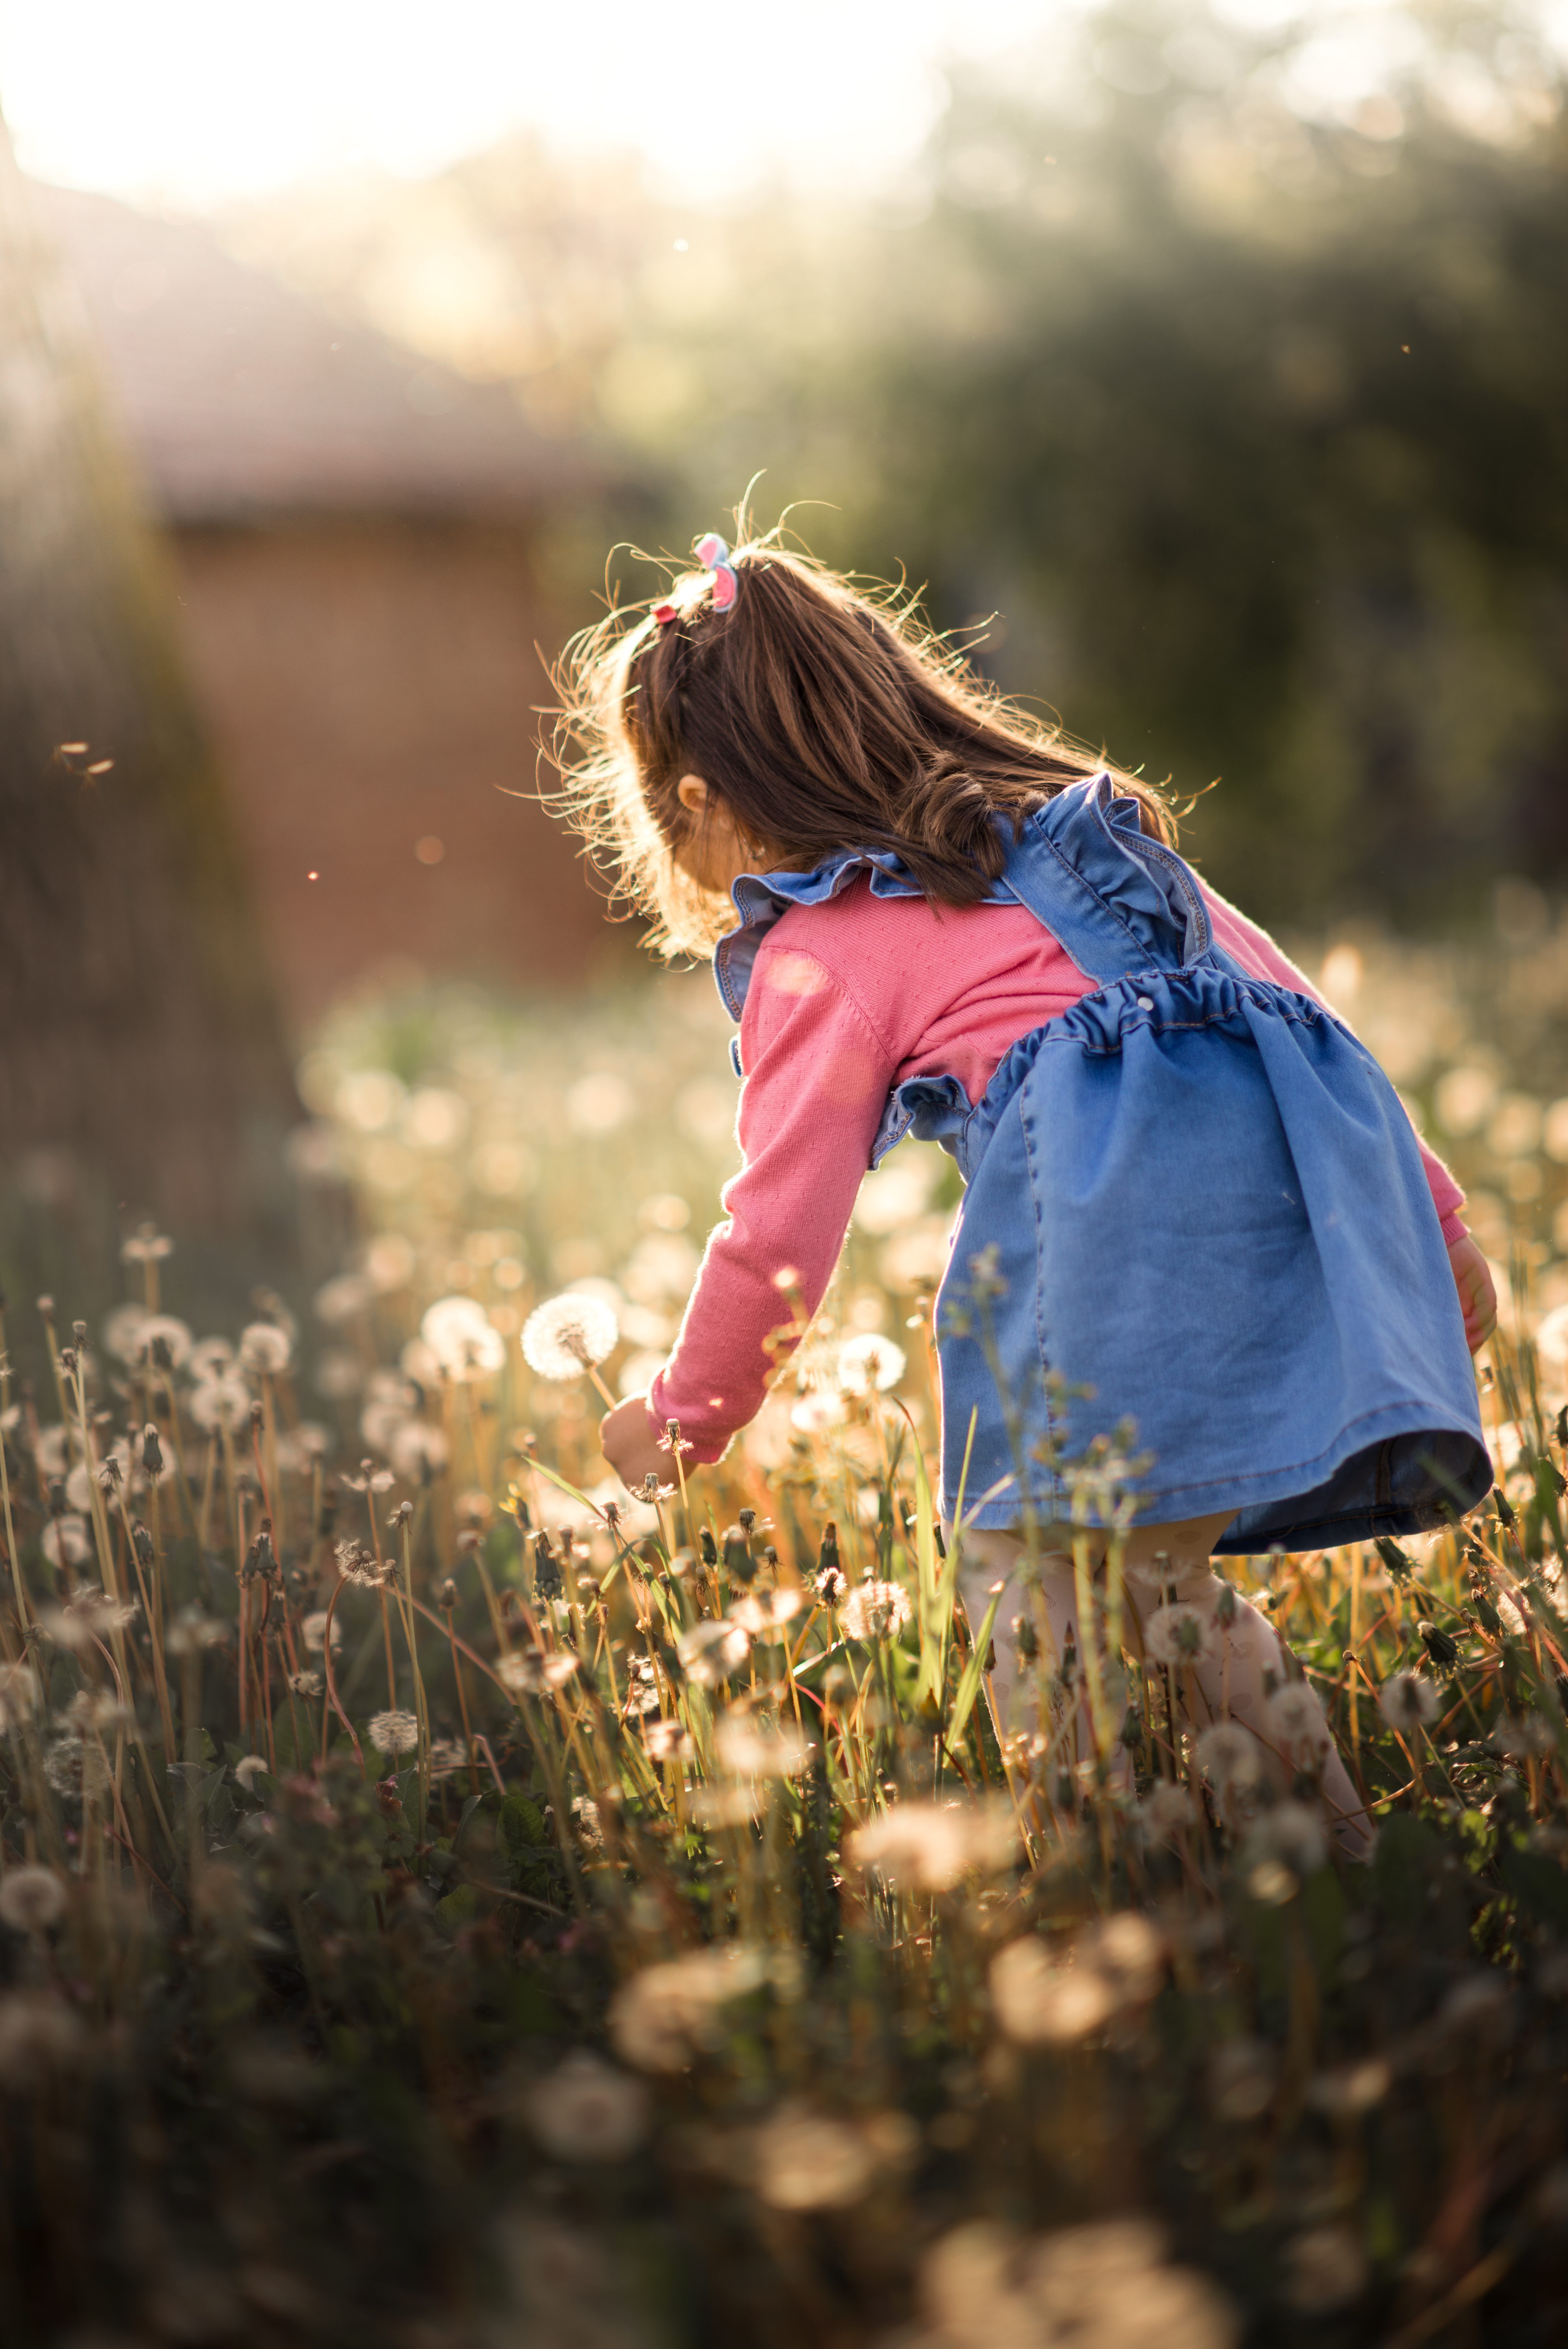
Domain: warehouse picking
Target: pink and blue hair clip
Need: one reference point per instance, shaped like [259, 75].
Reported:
[714, 556]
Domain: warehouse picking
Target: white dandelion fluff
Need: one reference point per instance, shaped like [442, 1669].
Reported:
[875, 1610]
[568, 1334]
[31, 1899]
[464, 1341]
[394, 1732]
[1178, 1636]
[264, 1349]
[870, 1364]
[1229, 1756]
[221, 1402]
[1408, 1699]
[1294, 1719]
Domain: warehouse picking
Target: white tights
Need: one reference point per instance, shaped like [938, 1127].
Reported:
[1160, 1563]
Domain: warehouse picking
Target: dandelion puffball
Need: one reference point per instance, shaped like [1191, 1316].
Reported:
[568, 1334]
[869, 1364]
[394, 1732]
[464, 1341]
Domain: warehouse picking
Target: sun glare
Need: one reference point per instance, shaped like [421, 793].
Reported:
[198, 104]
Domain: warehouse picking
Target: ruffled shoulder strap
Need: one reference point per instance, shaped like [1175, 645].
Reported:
[1114, 899]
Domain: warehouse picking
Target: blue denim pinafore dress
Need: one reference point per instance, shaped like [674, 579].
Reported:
[1193, 1202]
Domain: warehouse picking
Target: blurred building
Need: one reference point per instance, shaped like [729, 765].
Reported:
[359, 541]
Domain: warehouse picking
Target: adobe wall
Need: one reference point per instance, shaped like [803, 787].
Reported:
[371, 687]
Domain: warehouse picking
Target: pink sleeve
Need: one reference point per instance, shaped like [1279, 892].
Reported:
[816, 1078]
[1262, 958]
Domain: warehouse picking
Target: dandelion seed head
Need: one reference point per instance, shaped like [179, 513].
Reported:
[567, 1334]
[1229, 1756]
[930, 1847]
[709, 1653]
[393, 1732]
[1165, 1812]
[462, 1338]
[245, 1769]
[870, 1364]
[1040, 2004]
[75, 1766]
[264, 1349]
[1406, 1700]
[667, 1740]
[31, 1899]
[1178, 1636]
[665, 2014]
[753, 1751]
[1293, 1718]
[875, 1610]
[1291, 1834]
[66, 1541]
[147, 1245]
[807, 2160]
[220, 1402]
[313, 1630]
[588, 2110]
[305, 1684]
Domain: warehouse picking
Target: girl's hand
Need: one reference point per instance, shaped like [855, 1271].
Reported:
[1478, 1298]
[629, 1442]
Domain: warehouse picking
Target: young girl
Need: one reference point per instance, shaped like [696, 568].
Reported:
[1192, 1200]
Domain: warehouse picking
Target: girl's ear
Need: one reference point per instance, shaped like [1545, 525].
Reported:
[693, 794]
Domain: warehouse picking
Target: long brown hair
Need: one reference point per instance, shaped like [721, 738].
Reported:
[824, 717]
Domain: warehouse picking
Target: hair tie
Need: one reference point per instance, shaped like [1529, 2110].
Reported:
[714, 556]
[663, 614]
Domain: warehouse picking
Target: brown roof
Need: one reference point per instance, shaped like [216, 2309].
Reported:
[244, 400]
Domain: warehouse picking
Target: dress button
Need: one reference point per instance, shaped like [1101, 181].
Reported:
[1146, 1003]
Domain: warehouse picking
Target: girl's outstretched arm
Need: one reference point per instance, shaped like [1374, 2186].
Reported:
[817, 1076]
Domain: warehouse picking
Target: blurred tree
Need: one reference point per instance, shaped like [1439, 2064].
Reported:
[1257, 434]
[143, 1071]
[1244, 408]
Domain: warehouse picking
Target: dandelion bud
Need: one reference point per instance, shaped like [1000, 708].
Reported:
[1440, 1647]
[152, 1451]
[144, 1550]
[1504, 1511]
[47, 1307]
[612, 1515]
[1225, 1606]
[547, 1581]
[57, 1496]
[68, 1361]
[1024, 1640]
[257, 1414]
[80, 1332]
[449, 1598]
[828, 1556]
[709, 1547]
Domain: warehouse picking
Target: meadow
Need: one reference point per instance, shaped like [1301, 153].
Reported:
[445, 1896]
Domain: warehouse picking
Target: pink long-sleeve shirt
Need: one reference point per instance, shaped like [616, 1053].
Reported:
[847, 1000]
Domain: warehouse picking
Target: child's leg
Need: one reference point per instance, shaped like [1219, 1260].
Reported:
[993, 1562]
[1160, 1562]
[1230, 1674]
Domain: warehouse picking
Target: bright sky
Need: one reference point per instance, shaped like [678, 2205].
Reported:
[198, 100]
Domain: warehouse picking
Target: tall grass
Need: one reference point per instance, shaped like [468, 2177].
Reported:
[443, 1893]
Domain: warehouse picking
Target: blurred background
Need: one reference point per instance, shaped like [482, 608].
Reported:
[1207, 366]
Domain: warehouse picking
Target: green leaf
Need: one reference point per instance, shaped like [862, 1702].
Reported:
[1538, 1883]
[458, 1908]
[973, 1672]
[521, 1823]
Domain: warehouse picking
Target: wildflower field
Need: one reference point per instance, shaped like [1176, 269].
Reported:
[445, 1896]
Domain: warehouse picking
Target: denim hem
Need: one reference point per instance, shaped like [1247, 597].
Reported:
[1177, 1504]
